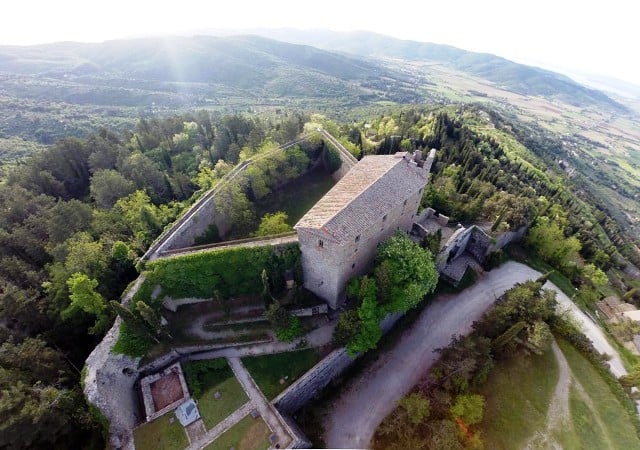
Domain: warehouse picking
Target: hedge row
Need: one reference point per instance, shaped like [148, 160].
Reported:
[231, 272]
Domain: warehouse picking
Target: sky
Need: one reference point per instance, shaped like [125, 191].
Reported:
[588, 36]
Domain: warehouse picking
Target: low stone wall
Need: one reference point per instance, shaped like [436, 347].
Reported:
[173, 304]
[507, 238]
[319, 376]
[311, 383]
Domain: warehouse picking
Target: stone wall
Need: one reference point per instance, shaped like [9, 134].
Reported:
[319, 376]
[313, 382]
[197, 224]
[507, 238]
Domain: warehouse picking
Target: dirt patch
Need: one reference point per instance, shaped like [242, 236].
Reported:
[166, 391]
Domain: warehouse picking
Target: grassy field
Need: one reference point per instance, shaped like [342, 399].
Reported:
[205, 381]
[517, 397]
[248, 434]
[298, 197]
[160, 434]
[599, 420]
[232, 396]
[267, 370]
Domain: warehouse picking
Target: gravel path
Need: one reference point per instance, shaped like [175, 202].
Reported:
[591, 330]
[267, 412]
[366, 400]
[558, 414]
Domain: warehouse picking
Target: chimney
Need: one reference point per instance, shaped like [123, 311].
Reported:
[429, 161]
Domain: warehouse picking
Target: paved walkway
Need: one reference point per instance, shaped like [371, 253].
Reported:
[223, 426]
[258, 399]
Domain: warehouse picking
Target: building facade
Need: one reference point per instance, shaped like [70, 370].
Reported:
[339, 236]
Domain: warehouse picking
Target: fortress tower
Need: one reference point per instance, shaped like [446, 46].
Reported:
[340, 234]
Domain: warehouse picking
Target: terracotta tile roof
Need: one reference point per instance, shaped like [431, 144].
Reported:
[363, 196]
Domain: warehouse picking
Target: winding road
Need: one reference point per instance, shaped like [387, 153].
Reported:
[367, 399]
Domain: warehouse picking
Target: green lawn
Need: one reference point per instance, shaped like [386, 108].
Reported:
[298, 197]
[213, 411]
[267, 370]
[600, 421]
[248, 434]
[160, 434]
[204, 379]
[517, 396]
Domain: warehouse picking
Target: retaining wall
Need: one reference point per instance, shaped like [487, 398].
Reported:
[319, 376]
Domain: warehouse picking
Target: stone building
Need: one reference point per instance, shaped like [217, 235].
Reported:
[338, 237]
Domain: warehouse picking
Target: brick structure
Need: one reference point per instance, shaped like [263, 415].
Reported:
[339, 235]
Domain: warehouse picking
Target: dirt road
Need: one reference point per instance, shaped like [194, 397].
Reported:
[369, 398]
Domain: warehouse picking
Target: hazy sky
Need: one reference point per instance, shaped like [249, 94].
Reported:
[592, 36]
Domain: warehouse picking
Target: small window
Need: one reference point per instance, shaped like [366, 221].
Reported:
[353, 266]
[384, 218]
[358, 238]
[405, 202]
[320, 243]
[356, 250]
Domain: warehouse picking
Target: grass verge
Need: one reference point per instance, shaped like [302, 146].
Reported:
[268, 370]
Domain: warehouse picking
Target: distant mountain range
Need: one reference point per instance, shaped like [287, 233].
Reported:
[51, 91]
[519, 78]
[309, 60]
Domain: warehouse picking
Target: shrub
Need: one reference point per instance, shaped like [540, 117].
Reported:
[231, 272]
[131, 342]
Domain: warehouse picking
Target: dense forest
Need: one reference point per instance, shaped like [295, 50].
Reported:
[76, 217]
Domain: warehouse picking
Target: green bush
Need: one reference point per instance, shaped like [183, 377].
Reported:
[231, 272]
[131, 342]
[293, 331]
[201, 375]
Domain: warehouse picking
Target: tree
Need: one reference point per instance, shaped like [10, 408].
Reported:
[370, 315]
[84, 297]
[287, 326]
[548, 239]
[412, 271]
[275, 223]
[107, 186]
[469, 408]
[150, 316]
[347, 327]
[594, 275]
[539, 337]
[417, 407]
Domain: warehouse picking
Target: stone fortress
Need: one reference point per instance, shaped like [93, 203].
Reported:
[338, 238]
[339, 235]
